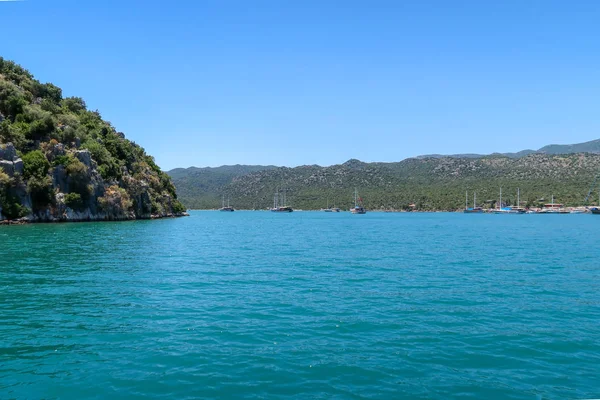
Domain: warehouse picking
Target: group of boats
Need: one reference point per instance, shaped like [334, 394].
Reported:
[357, 209]
[549, 208]
[280, 205]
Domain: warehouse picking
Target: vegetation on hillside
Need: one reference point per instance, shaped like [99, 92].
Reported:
[70, 156]
[429, 183]
[202, 188]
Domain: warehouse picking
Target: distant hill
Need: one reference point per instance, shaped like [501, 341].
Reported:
[430, 183]
[203, 187]
[592, 146]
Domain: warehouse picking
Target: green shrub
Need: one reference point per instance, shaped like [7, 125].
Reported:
[40, 128]
[74, 104]
[41, 192]
[178, 207]
[35, 164]
[69, 134]
[108, 167]
[47, 91]
[156, 208]
[9, 133]
[76, 167]
[5, 180]
[62, 160]
[78, 178]
[50, 106]
[74, 201]
[11, 207]
[12, 100]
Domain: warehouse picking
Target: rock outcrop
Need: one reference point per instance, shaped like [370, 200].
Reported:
[127, 200]
[9, 161]
[60, 161]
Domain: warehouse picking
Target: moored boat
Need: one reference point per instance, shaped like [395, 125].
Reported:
[358, 208]
[474, 209]
[226, 208]
[554, 208]
[281, 208]
[511, 209]
[328, 209]
[595, 210]
[578, 210]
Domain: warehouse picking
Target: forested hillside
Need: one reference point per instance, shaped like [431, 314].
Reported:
[202, 187]
[60, 161]
[428, 183]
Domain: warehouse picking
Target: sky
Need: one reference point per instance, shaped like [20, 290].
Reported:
[213, 82]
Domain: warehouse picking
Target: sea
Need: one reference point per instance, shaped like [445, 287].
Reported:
[302, 305]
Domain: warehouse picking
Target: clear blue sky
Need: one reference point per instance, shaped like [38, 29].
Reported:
[205, 83]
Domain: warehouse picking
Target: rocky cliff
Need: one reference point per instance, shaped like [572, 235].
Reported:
[62, 162]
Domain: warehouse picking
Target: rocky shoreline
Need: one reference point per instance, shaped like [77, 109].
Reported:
[126, 200]
[95, 218]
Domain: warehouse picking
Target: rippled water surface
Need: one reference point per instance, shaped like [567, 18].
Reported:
[303, 305]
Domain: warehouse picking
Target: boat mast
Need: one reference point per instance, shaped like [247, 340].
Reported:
[474, 200]
[500, 199]
[466, 199]
[518, 198]
[355, 195]
[223, 201]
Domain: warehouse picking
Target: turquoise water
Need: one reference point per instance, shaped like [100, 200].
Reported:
[303, 305]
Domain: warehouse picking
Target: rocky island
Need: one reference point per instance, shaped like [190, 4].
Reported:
[60, 161]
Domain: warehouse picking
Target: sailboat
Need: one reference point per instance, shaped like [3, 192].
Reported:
[510, 209]
[517, 209]
[327, 209]
[596, 210]
[553, 208]
[283, 207]
[475, 209]
[500, 209]
[226, 208]
[358, 208]
[335, 209]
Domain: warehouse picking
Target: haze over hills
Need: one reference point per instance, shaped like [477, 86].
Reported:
[429, 182]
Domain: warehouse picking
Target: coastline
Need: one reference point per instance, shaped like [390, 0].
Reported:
[27, 221]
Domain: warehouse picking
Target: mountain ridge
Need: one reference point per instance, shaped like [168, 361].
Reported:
[432, 183]
[591, 146]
